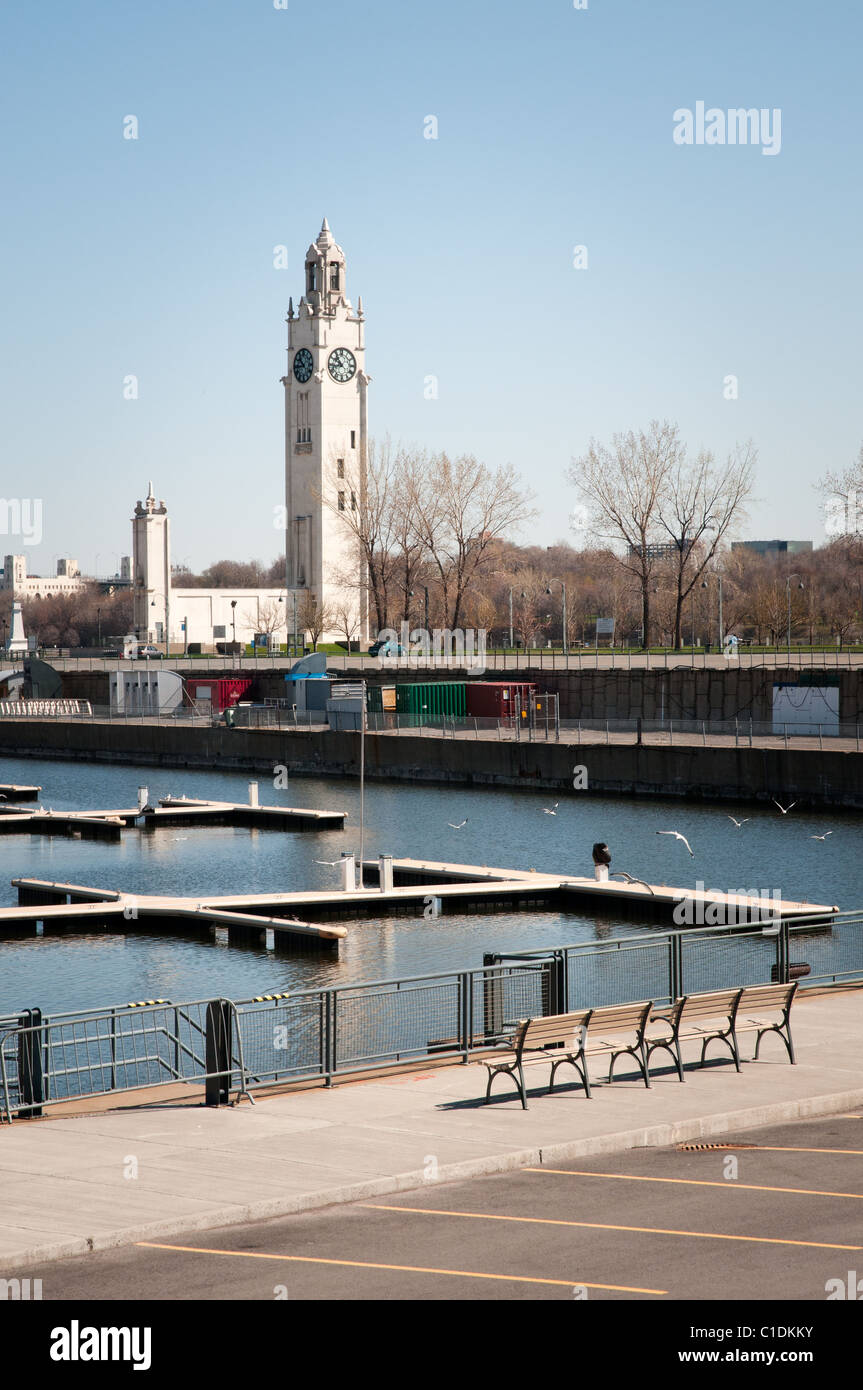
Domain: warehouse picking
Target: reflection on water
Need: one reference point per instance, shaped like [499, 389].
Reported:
[505, 828]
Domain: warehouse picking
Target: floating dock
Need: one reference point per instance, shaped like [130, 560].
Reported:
[310, 916]
[15, 791]
[569, 888]
[109, 825]
[70, 907]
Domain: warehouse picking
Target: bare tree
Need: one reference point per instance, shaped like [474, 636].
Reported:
[313, 617]
[697, 505]
[360, 495]
[346, 620]
[462, 508]
[622, 486]
[267, 617]
[844, 504]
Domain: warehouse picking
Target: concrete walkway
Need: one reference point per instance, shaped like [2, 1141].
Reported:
[91, 1182]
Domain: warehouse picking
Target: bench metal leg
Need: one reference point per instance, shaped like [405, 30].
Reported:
[784, 1031]
[672, 1047]
[638, 1054]
[730, 1041]
[580, 1066]
[509, 1071]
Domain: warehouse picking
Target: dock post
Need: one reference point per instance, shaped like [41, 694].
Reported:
[253, 793]
[31, 1084]
[348, 868]
[217, 1053]
[143, 794]
[385, 872]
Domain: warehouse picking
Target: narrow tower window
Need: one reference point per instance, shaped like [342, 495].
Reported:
[353, 439]
[341, 501]
[334, 275]
[341, 466]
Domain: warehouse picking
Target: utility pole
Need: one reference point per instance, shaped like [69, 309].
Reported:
[788, 595]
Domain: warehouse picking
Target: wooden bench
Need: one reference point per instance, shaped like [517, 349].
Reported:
[616, 1031]
[719, 1016]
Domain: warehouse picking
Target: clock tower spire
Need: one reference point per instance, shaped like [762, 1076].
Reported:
[326, 436]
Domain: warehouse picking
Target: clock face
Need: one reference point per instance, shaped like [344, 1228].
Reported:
[342, 364]
[303, 364]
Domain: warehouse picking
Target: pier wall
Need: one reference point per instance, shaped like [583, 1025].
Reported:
[817, 777]
[681, 693]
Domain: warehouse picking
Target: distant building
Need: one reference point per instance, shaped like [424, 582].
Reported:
[164, 612]
[661, 550]
[68, 579]
[773, 547]
[15, 577]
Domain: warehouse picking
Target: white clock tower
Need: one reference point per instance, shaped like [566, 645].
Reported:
[326, 437]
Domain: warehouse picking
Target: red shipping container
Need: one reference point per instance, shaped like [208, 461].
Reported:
[218, 693]
[498, 699]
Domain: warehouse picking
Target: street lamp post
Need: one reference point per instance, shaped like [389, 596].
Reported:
[721, 623]
[788, 596]
[234, 619]
[548, 591]
[511, 643]
[99, 626]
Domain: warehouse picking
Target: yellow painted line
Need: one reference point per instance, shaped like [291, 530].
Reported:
[603, 1226]
[399, 1269]
[698, 1182]
[791, 1149]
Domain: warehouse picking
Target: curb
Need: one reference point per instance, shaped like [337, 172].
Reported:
[654, 1136]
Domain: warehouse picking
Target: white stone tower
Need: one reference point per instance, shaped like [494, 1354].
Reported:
[16, 644]
[151, 570]
[326, 437]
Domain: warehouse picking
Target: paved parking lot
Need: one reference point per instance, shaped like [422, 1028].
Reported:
[770, 1214]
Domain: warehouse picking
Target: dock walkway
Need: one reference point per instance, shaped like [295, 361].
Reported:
[65, 1193]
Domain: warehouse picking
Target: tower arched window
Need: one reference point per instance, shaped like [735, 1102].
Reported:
[334, 275]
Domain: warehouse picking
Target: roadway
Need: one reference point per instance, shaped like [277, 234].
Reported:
[769, 1214]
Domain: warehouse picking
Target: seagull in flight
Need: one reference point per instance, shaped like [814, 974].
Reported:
[784, 809]
[821, 837]
[621, 873]
[738, 823]
[551, 810]
[677, 835]
[460, 826]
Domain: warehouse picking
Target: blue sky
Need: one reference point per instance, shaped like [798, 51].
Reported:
[154, 257]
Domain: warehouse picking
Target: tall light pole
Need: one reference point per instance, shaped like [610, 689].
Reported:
[788, 596]
[721, 624]
[511, 642]
[548, 591]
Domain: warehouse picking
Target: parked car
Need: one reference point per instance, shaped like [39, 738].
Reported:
[385, 646]
[147, 650]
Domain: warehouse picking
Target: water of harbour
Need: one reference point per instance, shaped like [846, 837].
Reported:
[505, 828]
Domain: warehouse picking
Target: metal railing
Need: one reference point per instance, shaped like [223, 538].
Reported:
[326, 1033]
[66, 1057]
[541, 659]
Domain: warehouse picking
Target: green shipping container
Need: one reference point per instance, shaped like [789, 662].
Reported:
[431, 701]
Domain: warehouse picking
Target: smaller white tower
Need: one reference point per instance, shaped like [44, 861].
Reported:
[17, 642]
[151, 570]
